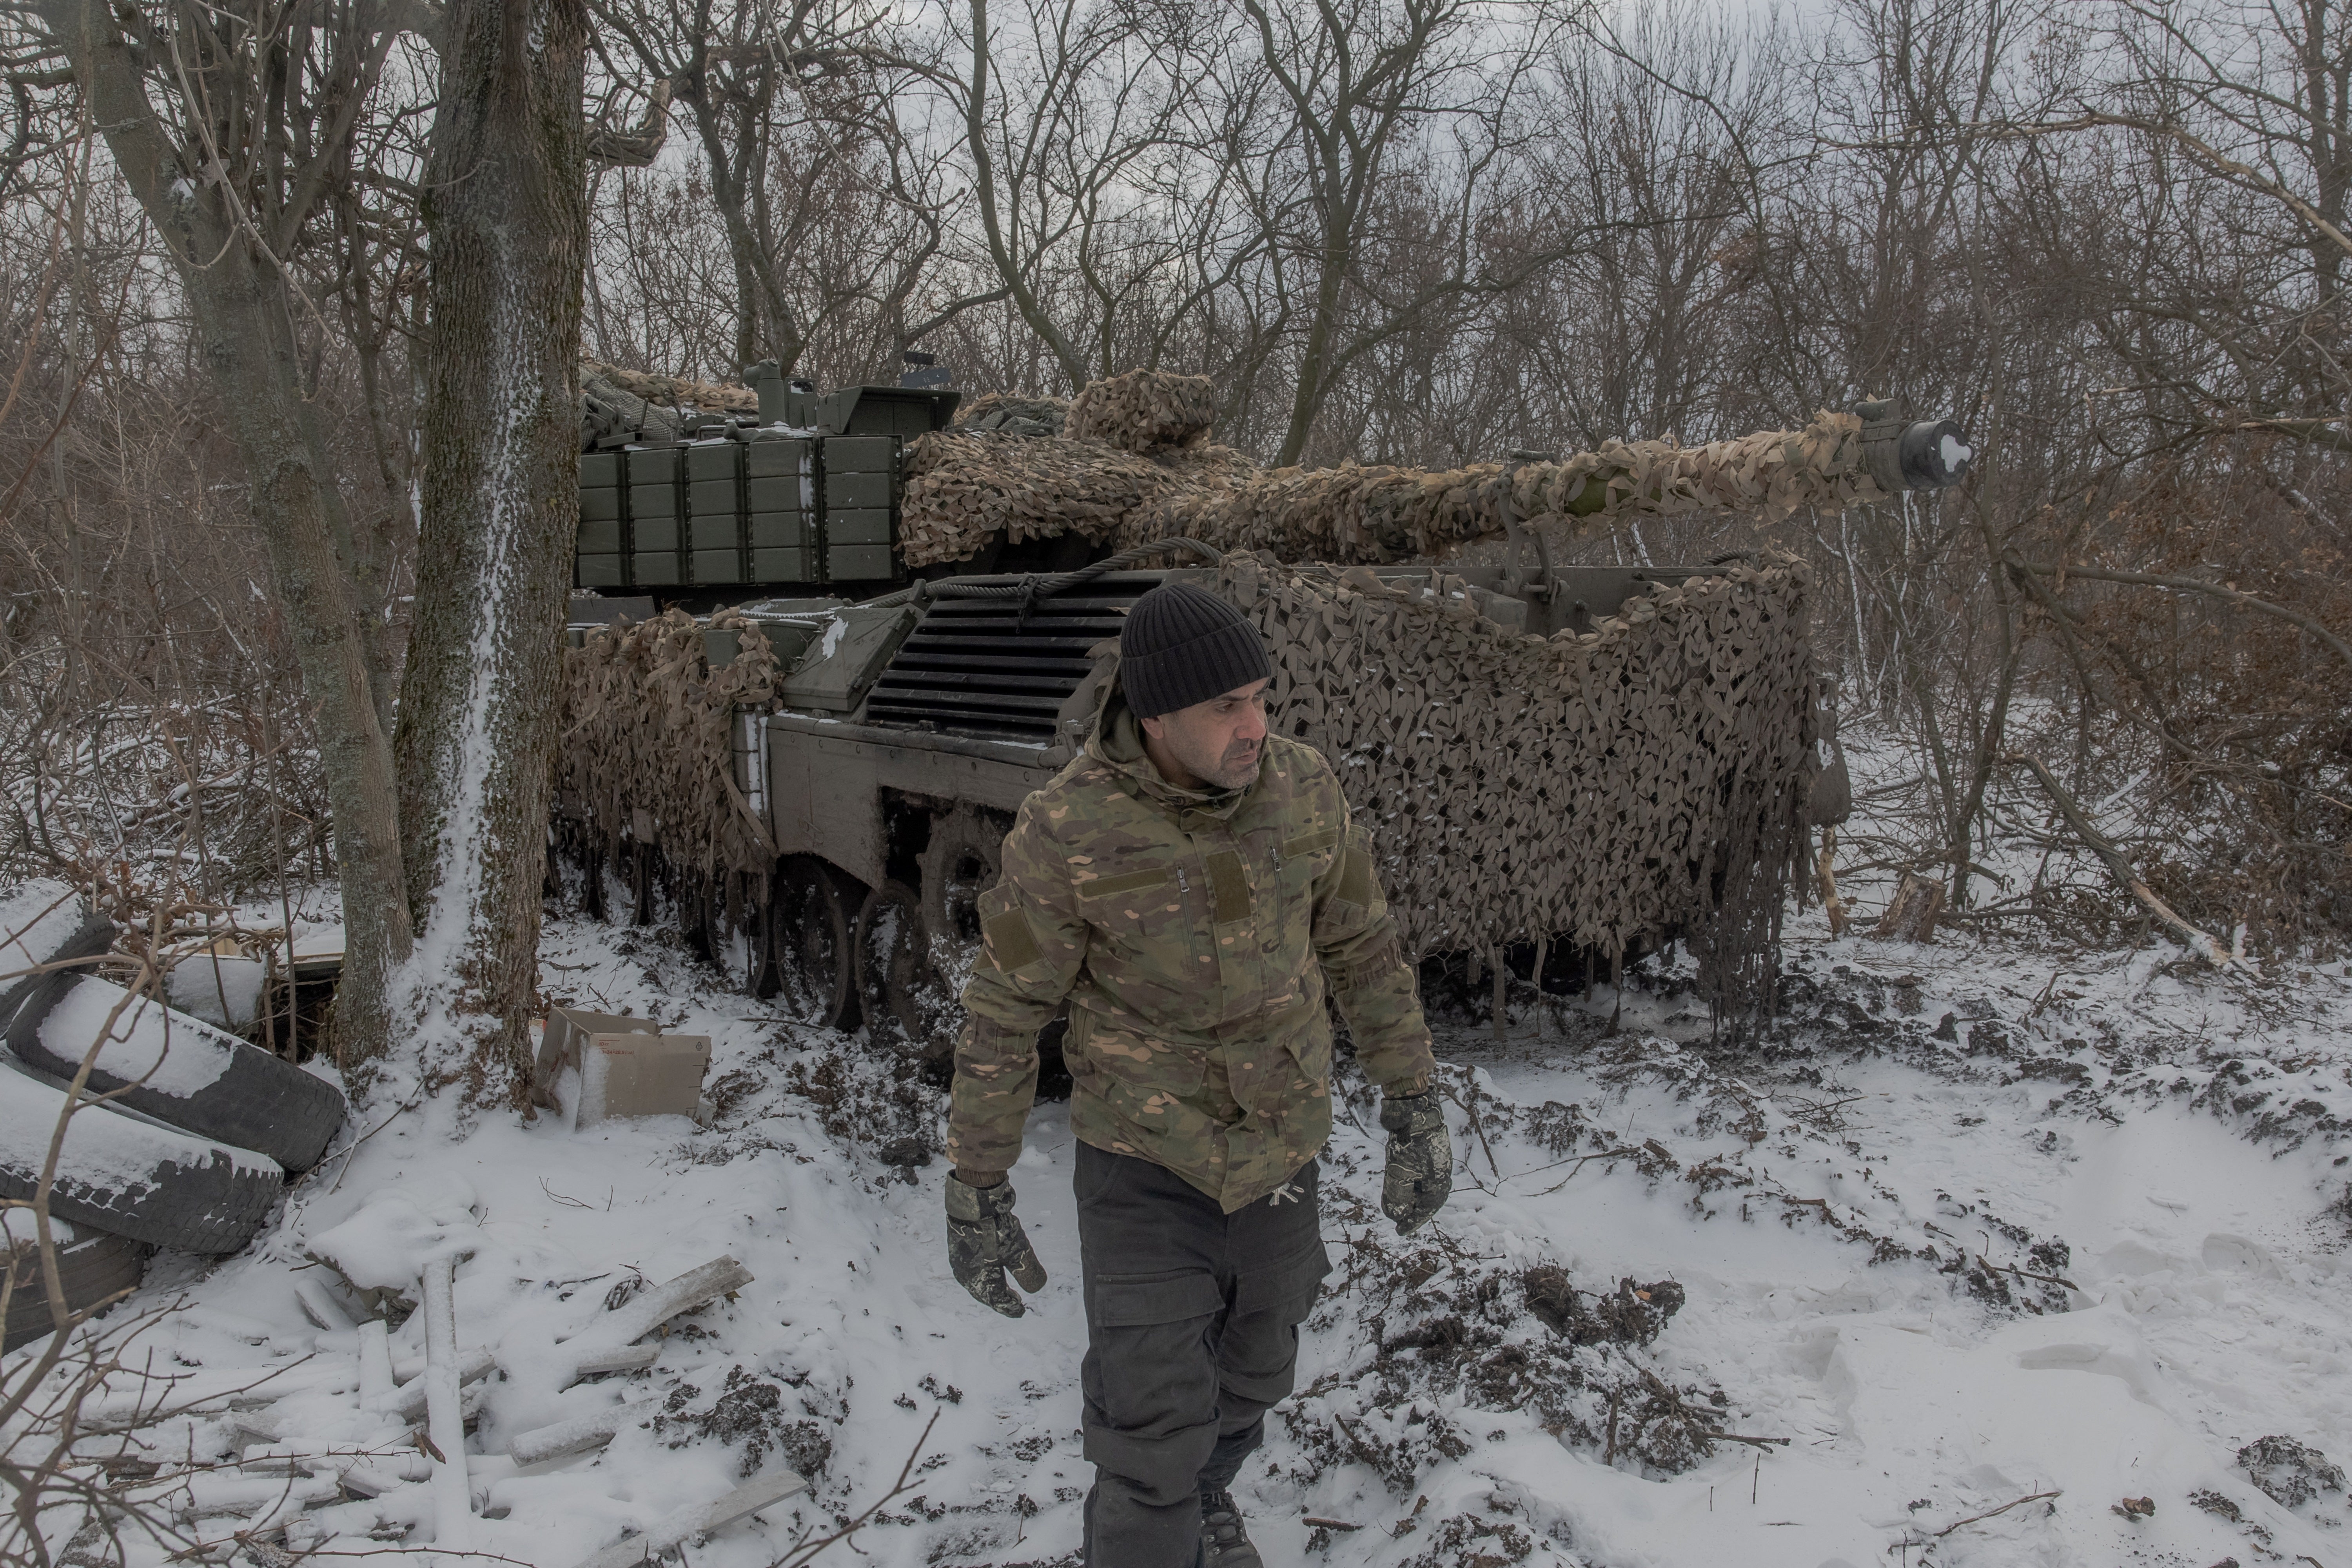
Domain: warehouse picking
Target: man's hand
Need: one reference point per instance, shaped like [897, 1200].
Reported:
[1421, 1160]
[984, 1240]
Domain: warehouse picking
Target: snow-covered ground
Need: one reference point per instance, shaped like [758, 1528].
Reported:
[1980, 1242]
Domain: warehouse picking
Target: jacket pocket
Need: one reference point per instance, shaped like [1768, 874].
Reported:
[1143, 1300]
[1148, 922]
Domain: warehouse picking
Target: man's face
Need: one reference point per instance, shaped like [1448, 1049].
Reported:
[1217, 743]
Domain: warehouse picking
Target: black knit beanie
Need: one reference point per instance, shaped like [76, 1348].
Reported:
[1184, 645]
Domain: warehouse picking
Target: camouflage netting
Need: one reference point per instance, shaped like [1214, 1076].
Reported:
[1589, 789]
[1022, 416]
[648, 758]
[962, 487]
[1645, 776]
[1143, 410]
[617, 404]
[1352, 514]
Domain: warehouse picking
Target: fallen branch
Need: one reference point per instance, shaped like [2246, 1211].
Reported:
[1992, 1267]
[590, 1431]
[2119, 866]
[1992, 1512]
[1341, 1525]
[609, 1344]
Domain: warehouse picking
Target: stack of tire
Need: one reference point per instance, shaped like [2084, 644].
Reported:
[189, 1151]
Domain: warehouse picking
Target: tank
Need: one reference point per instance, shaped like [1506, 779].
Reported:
[1562, 767]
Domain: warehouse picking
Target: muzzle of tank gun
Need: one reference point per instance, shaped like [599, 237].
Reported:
[1922, 454]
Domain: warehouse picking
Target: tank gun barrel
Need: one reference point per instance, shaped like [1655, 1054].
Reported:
[1378, 515]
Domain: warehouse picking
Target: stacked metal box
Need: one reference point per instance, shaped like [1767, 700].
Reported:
[774, 508]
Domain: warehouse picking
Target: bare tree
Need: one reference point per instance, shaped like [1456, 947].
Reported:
[506, 214]
[231, 126]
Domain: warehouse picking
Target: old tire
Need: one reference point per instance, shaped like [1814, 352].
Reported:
[962, 860]
[28, 999]
[132, 1177]
[201, 1080]
[92, 1267]
[812, 932]
[907, 1010]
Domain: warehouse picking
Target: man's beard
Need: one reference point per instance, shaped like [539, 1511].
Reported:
[1238, 767]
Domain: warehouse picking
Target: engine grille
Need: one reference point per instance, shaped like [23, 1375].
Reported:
[977, 666]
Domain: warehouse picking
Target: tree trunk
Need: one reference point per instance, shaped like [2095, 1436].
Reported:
[506, 213]
[1911, 915]
[245, 322]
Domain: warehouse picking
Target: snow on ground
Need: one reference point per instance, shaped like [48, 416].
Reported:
[1982, 1239]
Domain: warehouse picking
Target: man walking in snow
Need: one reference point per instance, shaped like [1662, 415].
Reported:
[1192, 887]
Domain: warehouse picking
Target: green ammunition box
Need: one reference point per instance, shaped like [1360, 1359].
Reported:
[653, 501]
[712, 496]
[601, 505]
[600, 572]
[707, 533]
[860, 455]
[653, 463]
[773, 565]
[600, 536]
[780, 531]
[860, 525]
[657, 534]
[599, 470]
[853, 489]
[778, 494]
[712, 460]
[767, 460]
[717, 566]
[857, 562]
[654, 570]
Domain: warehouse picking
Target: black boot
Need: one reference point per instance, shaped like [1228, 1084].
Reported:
[1223, 1542]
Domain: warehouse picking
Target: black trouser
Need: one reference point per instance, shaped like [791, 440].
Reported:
[1192, 1319]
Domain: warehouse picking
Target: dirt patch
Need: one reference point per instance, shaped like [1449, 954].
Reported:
[754, 1412]
[2288, 1472]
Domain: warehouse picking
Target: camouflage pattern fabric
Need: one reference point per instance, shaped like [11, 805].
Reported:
[1419, 1175]
[985, 1240]
[1194, 936]
[1148, 471]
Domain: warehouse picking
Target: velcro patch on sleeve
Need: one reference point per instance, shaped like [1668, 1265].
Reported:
[1356, 884]
[1010, 943]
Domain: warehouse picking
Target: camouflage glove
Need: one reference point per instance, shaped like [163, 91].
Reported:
[1421, 1160]
[984, 1239]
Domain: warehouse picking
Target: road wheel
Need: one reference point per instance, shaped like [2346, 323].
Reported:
[907, 1009]
[962, 861]
[812, 928]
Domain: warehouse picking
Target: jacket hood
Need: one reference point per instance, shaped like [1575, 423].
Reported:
[1118, 743]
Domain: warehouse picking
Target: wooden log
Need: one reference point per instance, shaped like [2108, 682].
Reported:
[609, 1344]
[1826, 870]
[453, 1502]
[592, 1430]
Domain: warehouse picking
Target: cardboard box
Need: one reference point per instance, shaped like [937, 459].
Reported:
[625, 1065]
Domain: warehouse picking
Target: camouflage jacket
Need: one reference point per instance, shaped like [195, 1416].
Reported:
[1194, 936]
